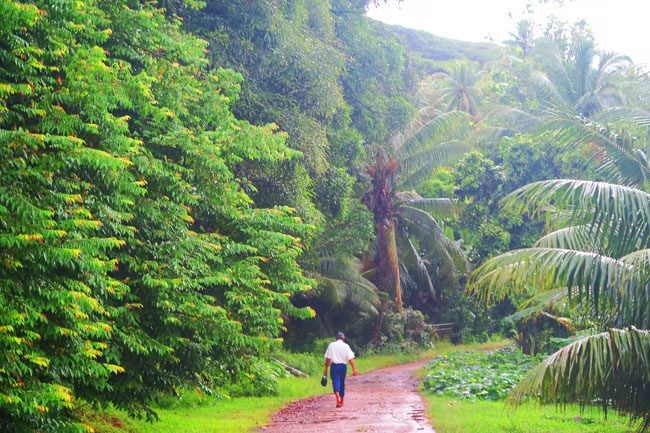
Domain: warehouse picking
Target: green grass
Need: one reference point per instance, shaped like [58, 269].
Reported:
[449, 416]
[238, 415]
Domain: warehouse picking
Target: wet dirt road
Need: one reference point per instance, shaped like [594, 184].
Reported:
[382, 401]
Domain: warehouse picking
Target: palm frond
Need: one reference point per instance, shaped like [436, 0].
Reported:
[619, 161]
[431, 236]
[636, 290]
[340, 281]
[596, 277]
[513, 118]
[435, 206]
[604, 205]
[538, 303]
[432, 132]
[572, 238]
[639, 258]
[412, 260]
[546, 89]
[631, 115]
[612, 367]
[545, 299]
[601, 239]
[417, 167]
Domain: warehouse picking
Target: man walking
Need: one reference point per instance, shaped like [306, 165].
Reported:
[338, 354]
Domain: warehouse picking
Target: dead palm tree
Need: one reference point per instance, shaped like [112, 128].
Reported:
[403, 221]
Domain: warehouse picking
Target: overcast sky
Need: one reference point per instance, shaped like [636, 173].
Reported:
[618, 25]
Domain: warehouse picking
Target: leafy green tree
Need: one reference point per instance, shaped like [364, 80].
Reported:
[65, 204]
[210, 274]
[322, 72]
[377, 77]
[135, 263]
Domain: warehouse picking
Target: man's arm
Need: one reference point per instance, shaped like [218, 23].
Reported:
[327, 364]
[354, 370]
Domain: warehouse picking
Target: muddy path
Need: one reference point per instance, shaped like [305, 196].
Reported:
[384, 401]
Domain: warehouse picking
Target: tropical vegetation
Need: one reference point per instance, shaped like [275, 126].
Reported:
[191, 188]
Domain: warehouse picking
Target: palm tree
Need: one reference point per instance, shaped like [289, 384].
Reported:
[571, 79]
[458, 87]
[523, 38]
[404, 225]
[601, 259]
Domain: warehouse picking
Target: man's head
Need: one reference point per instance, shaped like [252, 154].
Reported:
[340, 336]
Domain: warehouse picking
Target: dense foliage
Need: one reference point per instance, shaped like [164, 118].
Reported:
[181, 182]
[134, 263]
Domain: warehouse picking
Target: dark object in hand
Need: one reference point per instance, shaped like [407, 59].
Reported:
[323, 380]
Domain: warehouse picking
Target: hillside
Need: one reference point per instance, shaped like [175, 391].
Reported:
[429, 49]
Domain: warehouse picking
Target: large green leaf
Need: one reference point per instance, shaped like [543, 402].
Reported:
[606, 207]
[608, 368]
[615, 288]
[340, 281]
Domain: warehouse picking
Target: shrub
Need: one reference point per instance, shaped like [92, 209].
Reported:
[308, 363]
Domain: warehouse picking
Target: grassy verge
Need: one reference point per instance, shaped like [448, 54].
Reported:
[448, 416]
[211, 415]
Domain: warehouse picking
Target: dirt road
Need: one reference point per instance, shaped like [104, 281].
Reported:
[383, 401]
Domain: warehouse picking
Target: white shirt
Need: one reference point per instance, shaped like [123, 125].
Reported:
[339, 352]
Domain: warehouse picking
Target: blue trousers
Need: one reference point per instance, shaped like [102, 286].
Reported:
[337, 373]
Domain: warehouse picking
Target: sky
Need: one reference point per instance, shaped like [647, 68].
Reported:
[618, 25]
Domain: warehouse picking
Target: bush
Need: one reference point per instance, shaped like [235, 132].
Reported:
[404, 331]
[260, 379]
[309, 363]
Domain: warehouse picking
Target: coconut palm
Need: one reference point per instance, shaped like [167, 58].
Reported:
[458, 88]
[571, 79]
[601, 258]
[404, 225]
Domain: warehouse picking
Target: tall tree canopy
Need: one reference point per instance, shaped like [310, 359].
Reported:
[133, 261]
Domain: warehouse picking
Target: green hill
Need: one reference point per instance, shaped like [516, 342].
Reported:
[429, 49]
